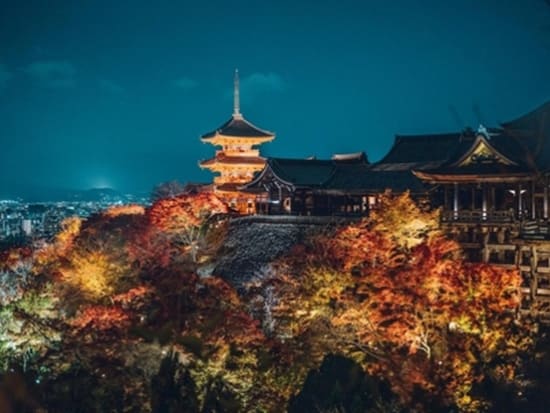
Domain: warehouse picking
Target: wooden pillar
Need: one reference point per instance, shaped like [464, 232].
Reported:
[533, 213]
[520, 204]
[533, 272]
[473, 191]
[485, 252]
[493, 199]
[445, 198]
[484, 202]
[346, 203]
[517, 256]
[455, 201]
[545, 206]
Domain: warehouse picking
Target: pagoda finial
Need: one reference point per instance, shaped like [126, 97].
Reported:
[236, 96]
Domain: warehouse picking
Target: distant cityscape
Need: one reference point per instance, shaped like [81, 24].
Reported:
[22, 221]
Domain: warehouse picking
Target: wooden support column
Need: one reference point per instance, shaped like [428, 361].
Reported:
[545, 206]
[484, 202]
[533, 272]
[520, 204]
[473, 191]
[486, 252]
[517, 256]
[445, 198]
[455, 202]
[533, 213]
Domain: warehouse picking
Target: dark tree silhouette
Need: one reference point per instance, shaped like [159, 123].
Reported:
[167, 190]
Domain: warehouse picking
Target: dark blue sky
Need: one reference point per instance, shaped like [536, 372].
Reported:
[116, 93]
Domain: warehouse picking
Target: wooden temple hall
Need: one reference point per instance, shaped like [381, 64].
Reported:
[492, 185]
[490, 175]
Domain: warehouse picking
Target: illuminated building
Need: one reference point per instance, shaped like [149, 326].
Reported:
[26, 227]
[491, 185]
[238, 158]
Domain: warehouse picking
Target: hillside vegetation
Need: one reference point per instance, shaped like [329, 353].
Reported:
[144, 310]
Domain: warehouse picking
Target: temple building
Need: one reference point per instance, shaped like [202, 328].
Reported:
[238, 157]
[491, 185]
[311, 186]
[498, 174]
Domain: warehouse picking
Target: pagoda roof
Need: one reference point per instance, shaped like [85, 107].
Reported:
[228, 187]
[234, 160]
[237, 126]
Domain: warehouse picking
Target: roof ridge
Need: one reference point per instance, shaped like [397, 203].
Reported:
[399, 137]
[544, 106]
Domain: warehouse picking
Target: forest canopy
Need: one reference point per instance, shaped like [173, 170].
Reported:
[116, 313]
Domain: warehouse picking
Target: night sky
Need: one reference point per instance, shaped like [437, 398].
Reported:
[117, 93]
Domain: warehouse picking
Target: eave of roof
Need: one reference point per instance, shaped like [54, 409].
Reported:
[228, 187]
[447, 177]
[238, 127]
[424, 148]
[234, 160]
[302, 172]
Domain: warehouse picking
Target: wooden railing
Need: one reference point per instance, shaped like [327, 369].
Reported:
[477, 216]
[535, 229]
[528, 228]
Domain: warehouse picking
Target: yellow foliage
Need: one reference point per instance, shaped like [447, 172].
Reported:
[401, 218]
[94, 274]
[119, 210]
[70, 227]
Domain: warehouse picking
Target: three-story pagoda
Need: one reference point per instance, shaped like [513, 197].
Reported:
[238, 157]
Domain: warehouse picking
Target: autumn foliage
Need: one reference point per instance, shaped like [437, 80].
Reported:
[400, 299]
[182, 212]
[113, 295]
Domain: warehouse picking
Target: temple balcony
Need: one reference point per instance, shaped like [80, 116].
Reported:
[535, 229]
[525, 226]
[466, 216]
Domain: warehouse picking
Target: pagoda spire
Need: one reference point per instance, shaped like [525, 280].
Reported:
[236, 96]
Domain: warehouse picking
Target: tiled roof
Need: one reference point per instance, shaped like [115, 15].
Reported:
[364, 179]
[532, 132]
[424, 149]
[519, 149]
[302, 172]
[237, 126]
[232, 160]
[339, 175]
[228, 187]
[508, 159]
